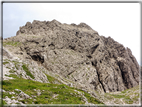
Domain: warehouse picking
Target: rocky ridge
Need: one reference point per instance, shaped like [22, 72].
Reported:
[78, 53]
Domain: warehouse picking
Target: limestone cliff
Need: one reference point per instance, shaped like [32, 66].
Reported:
[77, 53]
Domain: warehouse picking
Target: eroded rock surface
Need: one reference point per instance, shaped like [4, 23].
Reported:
[78, 53]
[24, 69]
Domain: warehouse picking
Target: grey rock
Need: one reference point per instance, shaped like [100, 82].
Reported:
[15, 64]
[12, 97]
[11, 92]
[79, 54]
[24, 95]
[9, 101]
[1, 90]
[38, 92]
[18, 90]
[7, 53]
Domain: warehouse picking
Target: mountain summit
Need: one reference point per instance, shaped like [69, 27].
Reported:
[77, 53]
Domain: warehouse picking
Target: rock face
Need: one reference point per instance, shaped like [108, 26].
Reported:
[27, 70]
[78, 53]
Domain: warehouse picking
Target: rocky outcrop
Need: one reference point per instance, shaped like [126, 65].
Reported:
[6, 53]
[78, 53]
[23, 69]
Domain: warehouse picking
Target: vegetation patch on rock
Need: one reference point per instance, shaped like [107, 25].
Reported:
[27, 71]
[12, 43]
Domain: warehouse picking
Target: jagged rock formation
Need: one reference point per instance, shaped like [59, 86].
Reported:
[78, 53]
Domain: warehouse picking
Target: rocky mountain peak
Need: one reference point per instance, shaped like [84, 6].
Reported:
[78, 53]
[38, 27]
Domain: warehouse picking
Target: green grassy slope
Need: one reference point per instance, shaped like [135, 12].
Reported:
[50, 93]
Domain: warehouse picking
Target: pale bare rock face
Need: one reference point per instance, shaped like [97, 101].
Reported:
[78, 53]
[13, 65]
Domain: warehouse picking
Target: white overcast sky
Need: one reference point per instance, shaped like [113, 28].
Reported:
[121, 21]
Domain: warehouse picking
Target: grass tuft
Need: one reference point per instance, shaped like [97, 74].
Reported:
[52, 79]
[4, 63]
[27, 71]
[12, 43]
